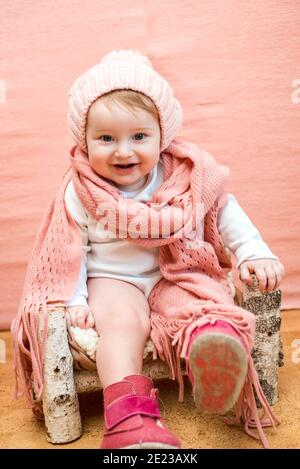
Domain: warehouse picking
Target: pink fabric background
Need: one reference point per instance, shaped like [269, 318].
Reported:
[233, 65]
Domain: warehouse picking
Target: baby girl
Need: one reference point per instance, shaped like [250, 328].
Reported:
[130, 275]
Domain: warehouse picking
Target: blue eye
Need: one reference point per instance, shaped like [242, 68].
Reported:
[102, 136]
[141, 133]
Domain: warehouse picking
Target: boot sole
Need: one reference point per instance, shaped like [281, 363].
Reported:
[150, 445]
[219, 365]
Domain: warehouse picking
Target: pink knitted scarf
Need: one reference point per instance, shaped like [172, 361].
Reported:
[192, 292]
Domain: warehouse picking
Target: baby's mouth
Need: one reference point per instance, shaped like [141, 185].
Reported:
[125, 165]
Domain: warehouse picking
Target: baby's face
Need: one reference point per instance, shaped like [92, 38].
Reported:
[119, 137]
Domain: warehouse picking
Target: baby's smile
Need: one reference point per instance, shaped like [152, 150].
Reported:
[123, 146]
[125, 168]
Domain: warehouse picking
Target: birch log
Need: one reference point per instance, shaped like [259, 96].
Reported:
[267, 352]
[60, 401]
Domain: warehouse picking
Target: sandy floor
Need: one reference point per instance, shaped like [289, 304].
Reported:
[19, 428]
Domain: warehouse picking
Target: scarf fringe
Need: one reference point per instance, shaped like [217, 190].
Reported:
[246, 408]
[171, 341]
[29, 352]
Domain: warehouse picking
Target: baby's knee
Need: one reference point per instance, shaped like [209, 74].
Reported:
[130, 319]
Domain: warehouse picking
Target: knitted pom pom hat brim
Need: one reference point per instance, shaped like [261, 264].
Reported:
[123, 69]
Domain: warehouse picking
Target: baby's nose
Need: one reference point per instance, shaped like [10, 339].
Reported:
[124, 148]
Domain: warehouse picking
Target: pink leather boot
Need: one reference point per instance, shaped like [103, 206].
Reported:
[217, 364]
[132, 417]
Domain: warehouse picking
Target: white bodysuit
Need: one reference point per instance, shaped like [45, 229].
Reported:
[119, 259]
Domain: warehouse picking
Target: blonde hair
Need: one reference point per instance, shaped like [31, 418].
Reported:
[130, 99]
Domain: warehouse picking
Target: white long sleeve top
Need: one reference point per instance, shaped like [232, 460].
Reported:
[118, 259]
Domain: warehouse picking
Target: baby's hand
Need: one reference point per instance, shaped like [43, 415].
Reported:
[269, 273]
[80, 316]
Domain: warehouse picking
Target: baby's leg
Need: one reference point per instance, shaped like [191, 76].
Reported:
[121, 313]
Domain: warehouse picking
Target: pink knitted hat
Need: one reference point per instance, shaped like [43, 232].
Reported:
[123, 69]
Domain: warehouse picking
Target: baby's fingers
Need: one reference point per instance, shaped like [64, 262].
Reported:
[260, 273]
[261, 277]
[271, 278]
[77, 316]
[245, 274]
[279, 269]
[81, 318]
[71, 318]
[90, 322]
